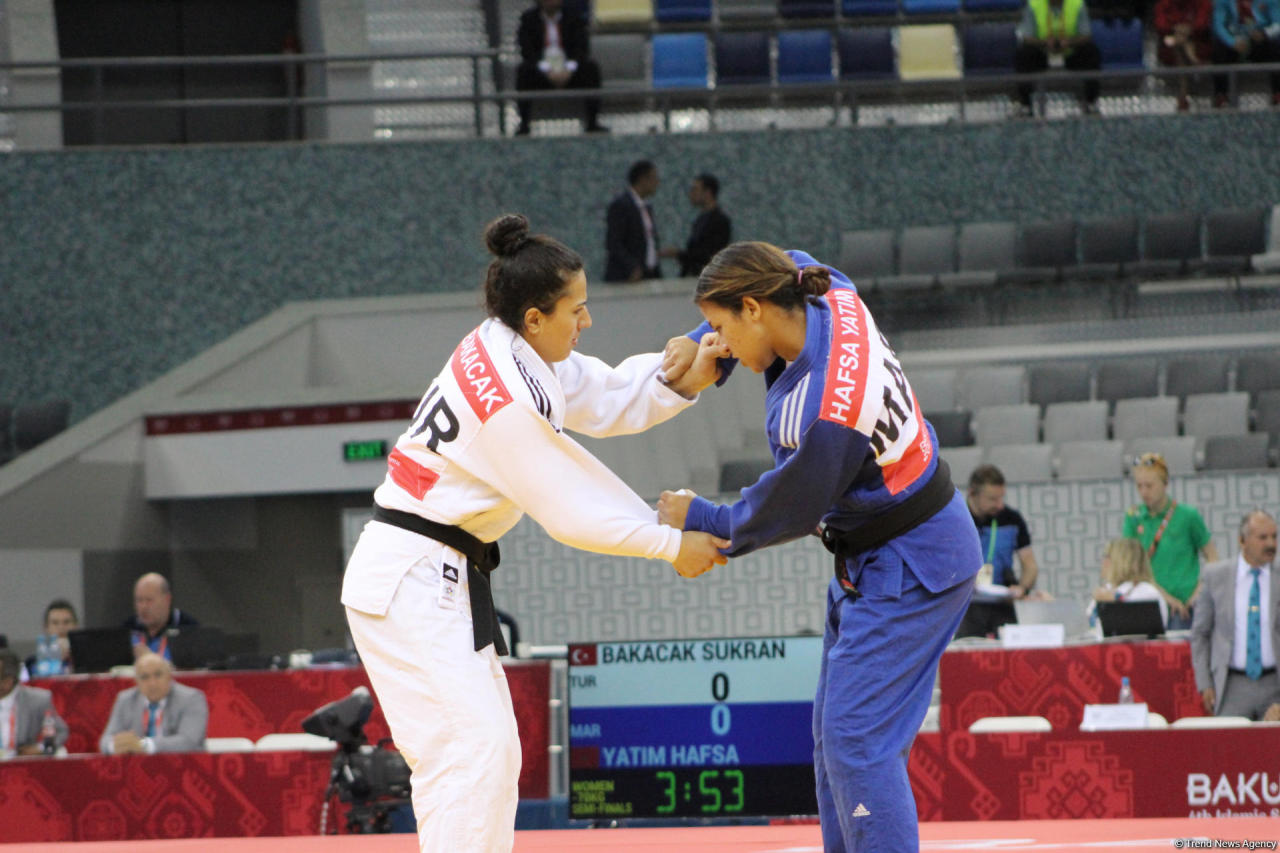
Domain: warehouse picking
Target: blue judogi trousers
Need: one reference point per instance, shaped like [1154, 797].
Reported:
[879, 663]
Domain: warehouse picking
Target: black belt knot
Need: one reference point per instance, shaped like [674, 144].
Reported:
[482, 559]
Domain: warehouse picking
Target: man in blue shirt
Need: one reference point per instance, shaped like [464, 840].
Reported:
[1245, 31]
[1003, 534]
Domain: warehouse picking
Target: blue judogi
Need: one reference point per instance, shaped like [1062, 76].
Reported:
[849, 443]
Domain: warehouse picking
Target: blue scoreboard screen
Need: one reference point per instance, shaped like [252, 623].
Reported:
[692, 728]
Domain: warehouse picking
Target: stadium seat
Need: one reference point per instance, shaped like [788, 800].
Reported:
[1130, 377]
[742, 58]
[1089, 460]
[623, 11]
[925, 253]
[962, 461]
[989, 48]
[984, 250]
[1196, 374]
[807, 8]
[738, 474]
[1044, 250]
[1079, 421]
[1108, 246]
[1232, 237]
[679, 60]
[7, 450]
[1119, 41]
[36, 423]
[951, 427]
[995, 725]
[866, 255]
[930, 7]
[1058, 383]
[1138, 417]
[854, 8]
[294, 741]
[738, 9]
[804, 56]
[1179, 451]
[672, 11]
[971, 6]
[935, 389]
[1258, 371]
[228, 744]
[1169, 243]
[928, 52]
[622, 60]
[1022, 463]
[1018, 423]
[994, 385]
[1236, 452]
[1207, 415]
[1266, 412]
[866, 53]
[1269, 261]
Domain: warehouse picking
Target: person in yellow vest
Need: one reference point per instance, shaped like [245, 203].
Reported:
[1052, 30]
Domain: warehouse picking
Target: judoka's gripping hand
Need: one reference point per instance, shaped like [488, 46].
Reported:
[699, 552]
[705, 368]
[677, 357]
[673, 507]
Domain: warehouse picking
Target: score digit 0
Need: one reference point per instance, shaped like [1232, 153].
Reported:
[720, 719]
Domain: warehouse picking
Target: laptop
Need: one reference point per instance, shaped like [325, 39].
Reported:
[1059, 611]
[198, 647]
[99, 649]
[1130, 618]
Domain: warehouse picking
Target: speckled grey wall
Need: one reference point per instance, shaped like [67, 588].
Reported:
[116, 266]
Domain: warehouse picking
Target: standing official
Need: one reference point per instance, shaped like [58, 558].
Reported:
[631, 234]
[711, 231]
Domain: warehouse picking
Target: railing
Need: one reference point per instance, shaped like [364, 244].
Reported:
[840, 93]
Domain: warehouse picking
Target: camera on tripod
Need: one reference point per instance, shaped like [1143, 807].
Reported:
[373, 779]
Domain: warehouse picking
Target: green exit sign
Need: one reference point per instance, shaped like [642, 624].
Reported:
[363, 451]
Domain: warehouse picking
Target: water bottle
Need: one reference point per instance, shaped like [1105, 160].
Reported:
[49, 734]
[43, 659]
[1126, 693]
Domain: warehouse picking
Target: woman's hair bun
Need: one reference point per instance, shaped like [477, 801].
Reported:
[814, 280]
[505, 235]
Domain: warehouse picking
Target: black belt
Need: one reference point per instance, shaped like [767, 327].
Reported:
[482, 559]
[904, 517]
[1268, 671]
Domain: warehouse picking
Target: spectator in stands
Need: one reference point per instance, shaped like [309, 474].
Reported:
[1174, 535]
[1051, 30]
[1126, 576]
[158, 715]
[29, 725]
[555, 54]
[1235, 636]
[1245, 31]
[1183, 29]
[1003, 534]
[711, 230]
[59, 620]
[631, 235]
[154, 616]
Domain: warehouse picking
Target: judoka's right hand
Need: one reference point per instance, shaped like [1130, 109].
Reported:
[699, 553]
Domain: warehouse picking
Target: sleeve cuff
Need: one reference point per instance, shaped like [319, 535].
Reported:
[149, 745]
[571, 66]
[708, 517]
[544, 66]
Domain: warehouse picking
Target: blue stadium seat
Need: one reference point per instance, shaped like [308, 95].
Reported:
[668, 11]
[993, 5]
[866, 53]
[854, 8]
[742, 58]
[989, 49]
[1120, 42]
[930, 7]
[804, 56]
[807, 8]
[679, 60]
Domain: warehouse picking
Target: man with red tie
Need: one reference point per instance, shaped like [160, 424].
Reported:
[555, 54]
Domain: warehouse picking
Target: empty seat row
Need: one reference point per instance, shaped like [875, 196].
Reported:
[630, 12]
[984, 253]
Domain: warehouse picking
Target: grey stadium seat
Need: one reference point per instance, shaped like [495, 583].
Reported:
[1169, 243]
[622, 58]
[1080, 421]
[1208, 415]
[1145, 416]
[935, 389]
[991, 386]
[1130, 377]
[737, 475]
[984, 249]
[1267, 412]
[952, 428]
[1236, 452]
[6, 434]
[1258, 371]
[1045, 249]
[1090, 460]
[997, 425]
[866, 255]
[38, 422]
[1196, 374]
[1058, 383]
[925, 253]
[1022, 463]
[1232, 237]
[1108, 246]
[1179, 451]
[962, 461]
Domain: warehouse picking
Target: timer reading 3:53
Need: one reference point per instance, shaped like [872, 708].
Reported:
[718, 791]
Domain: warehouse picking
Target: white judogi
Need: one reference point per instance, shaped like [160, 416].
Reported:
[485, 446]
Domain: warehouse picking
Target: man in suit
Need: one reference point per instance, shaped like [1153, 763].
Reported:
[154, 615]
[1235, 633]
[711, 231]
[159, 715]
[23, 714]
[631, 234]
[555, 54]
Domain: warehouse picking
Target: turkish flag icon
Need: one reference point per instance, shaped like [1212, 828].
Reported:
[583, 655]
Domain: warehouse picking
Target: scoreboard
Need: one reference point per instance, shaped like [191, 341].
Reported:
[692, 728]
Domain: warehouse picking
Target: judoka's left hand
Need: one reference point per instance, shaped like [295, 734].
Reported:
[673, 507]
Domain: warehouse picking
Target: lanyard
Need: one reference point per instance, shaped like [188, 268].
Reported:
[991, 544]
[13, 726]
[1155, 541]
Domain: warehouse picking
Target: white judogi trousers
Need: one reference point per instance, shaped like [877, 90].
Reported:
[448, 706]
